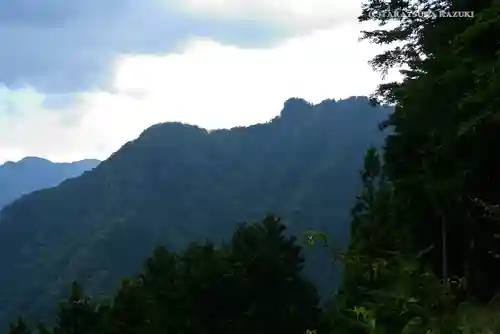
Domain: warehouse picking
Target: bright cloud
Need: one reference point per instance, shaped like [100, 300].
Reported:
[294, 14]
[206, 83]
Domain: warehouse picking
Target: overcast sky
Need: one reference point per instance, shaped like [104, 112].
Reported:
[79, 78]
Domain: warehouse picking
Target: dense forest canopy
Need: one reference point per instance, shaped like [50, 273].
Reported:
[251, 284]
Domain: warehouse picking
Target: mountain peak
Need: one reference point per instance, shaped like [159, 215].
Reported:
[34, 159]
[26, 160]
[295, 102]
[34, 173]
[170, 132]
[295, 107]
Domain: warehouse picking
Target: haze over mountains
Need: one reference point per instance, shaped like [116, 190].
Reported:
[178, 183]
[34, 173]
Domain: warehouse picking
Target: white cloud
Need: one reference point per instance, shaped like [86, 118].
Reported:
[292, 14]
[205, 83]
[29, 129]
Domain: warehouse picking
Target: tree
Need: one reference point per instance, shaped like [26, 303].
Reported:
[19, 327]
[435, 161]
[42, 329]
[129, 311]
[445, 111]
[276, 296]
[251, 284]
[78, 314]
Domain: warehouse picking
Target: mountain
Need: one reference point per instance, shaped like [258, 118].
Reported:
[33, 173]
[179, 183]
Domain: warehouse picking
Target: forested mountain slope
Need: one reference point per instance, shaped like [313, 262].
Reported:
[178, 183]
[33, 173]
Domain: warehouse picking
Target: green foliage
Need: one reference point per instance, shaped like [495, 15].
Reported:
[19, 327]
[253, 284]
[424, 234]
[78, 315]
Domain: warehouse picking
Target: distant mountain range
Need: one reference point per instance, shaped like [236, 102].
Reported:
[33, 173]
[178, 183]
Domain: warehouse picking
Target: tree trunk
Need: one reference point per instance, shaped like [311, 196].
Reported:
[444, 249]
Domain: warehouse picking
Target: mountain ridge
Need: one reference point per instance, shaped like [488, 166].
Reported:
[18, 178]
[179, 183]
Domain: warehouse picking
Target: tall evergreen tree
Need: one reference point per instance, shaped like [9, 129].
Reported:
[438, 170]
[445, 111]
[277, 297]
[78, 314]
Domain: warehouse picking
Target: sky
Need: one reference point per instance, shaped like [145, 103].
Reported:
[80, 78]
